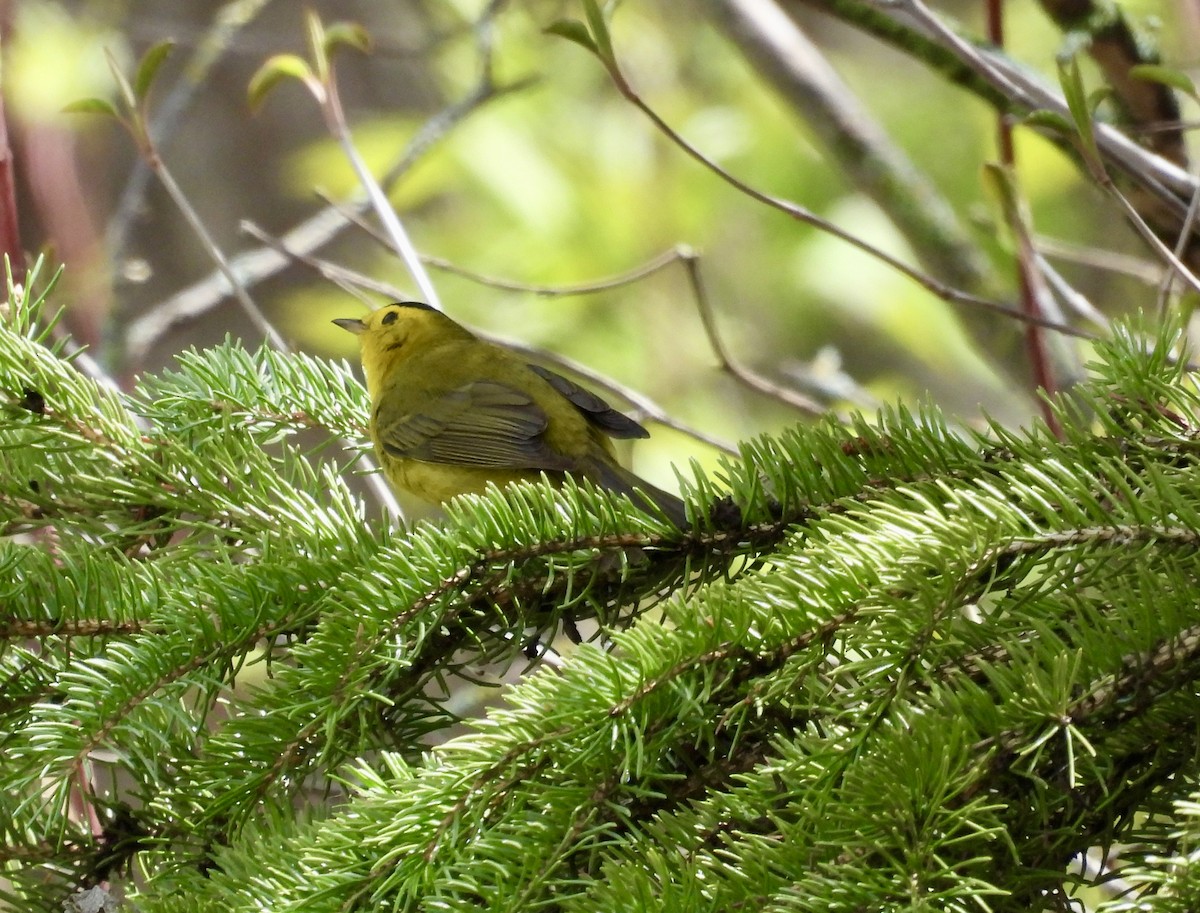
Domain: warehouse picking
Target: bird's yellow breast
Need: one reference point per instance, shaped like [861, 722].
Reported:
[438, 482]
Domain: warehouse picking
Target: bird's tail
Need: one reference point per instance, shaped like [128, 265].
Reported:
[615, 478]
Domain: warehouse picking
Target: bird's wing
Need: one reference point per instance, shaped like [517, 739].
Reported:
[592, 407]
[483, 424]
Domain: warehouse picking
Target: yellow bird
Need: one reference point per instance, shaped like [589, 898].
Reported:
[451, 412]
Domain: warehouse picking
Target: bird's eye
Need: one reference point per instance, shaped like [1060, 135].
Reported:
[389, 318]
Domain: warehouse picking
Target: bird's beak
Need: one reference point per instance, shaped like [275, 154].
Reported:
[353, 324]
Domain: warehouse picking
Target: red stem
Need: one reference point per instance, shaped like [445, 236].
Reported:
[1035, 338]
[10, 231]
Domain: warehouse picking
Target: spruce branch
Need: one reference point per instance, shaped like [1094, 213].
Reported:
[893, 658]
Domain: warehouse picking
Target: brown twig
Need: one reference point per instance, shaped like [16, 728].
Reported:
[747, 376]
[778, 49]
[1182, 245]
[209, 48]
[10, 231]
[254, 267]
[1030, 282]
[1026, 92]
[801, 214]
[1143, 270]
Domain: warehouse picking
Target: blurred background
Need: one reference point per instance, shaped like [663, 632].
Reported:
[558, 181]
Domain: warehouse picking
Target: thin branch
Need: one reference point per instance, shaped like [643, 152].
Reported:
[855, 142]
[806, 216]
[179, 198]
[161, 127]
[592, 286]
[1146, 271]
[1034, 297]
[1181, 246]
[1033, 291]
[747, 376]
[1074, 299]
[1147, 233]
[335, 120]
[1025, 93]
[330, 102]
[649, 268]
[344, 278]
[256, 266]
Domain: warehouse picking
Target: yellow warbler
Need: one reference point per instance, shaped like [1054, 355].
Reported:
[451, 412]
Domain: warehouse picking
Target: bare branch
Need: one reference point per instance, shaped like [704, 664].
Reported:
[747, 376]
[253, 267]
[856, 143]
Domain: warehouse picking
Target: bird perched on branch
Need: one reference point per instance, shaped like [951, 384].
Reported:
[451, 412]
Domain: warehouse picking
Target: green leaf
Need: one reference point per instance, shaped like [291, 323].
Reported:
[92, 106]
[1097, 97]
[600, 33]
[1077, 103]
[275, 69]
[316, 44]
[1167, 76]
[148, 68]
[347, 34]
[573, 30]
[1048, 120]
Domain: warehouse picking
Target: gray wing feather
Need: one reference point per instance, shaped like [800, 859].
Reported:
[593, 408]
